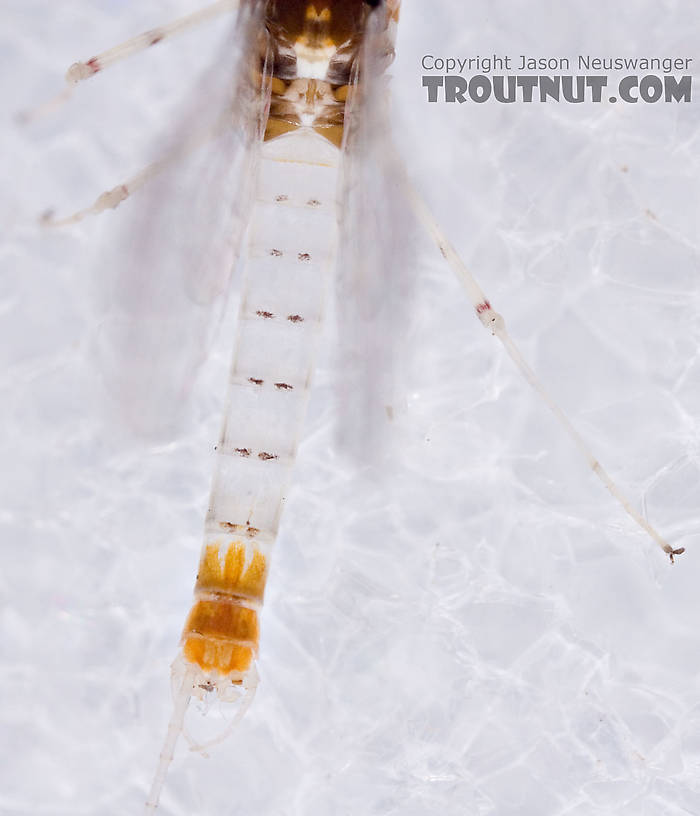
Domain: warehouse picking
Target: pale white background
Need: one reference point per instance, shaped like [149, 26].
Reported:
[481, 631]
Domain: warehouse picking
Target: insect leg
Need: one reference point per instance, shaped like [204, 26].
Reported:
[496, 325]
[111, 199]
[80, 71]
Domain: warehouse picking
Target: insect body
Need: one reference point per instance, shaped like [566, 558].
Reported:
[309, 61]
[307, 68]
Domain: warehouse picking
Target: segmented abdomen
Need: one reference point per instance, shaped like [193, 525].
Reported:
[291, 247]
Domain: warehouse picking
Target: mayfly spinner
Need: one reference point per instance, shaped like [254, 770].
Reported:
[306, 72]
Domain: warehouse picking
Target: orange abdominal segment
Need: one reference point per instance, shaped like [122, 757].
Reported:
[230, 575]
[223, 620]
[222, 631]
[214, 655]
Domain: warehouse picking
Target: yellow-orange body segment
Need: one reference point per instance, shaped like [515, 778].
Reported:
[229, 575]
[221, 656]
[221, 632]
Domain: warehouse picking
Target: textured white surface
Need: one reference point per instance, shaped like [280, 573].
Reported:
[476, 630]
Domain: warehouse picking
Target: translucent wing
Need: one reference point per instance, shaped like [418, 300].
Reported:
[374, 283]
[176, 247]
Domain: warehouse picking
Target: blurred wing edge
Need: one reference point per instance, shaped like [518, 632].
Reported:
[165, 277]
[374, 284]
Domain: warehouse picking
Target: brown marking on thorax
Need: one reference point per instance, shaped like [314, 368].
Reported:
[318, 21]
[326, 35]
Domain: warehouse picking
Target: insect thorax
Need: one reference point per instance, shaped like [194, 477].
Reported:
[312, 59]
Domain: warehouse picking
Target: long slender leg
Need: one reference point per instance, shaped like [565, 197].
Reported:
[111, 199]
[80, 71]
[495, 323]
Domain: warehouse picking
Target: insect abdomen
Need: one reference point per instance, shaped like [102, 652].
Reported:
[221, 632]
[292, 241]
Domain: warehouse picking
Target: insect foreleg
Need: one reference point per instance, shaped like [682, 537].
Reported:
[80, 71]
